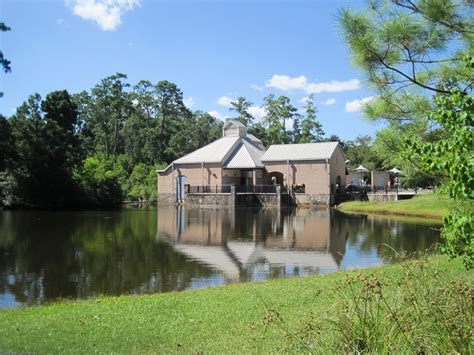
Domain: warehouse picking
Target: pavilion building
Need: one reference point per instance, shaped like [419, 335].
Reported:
[238, 164]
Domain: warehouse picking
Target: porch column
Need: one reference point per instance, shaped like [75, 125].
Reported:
[278, 193]
[254, 177]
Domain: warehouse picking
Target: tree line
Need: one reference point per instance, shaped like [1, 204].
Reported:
[101, 147]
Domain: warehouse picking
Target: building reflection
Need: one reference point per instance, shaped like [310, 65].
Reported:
[245, 244]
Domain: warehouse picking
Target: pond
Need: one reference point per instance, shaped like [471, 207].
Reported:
[46, 256]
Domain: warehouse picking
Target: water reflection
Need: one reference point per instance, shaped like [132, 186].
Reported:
[49, 255]
[248, 244]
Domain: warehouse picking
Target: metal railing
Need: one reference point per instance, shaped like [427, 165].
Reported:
[299, 189]
[216, 189]
[258, 189]
[207, 189]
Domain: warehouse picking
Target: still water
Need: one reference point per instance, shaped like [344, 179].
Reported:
[46, 256]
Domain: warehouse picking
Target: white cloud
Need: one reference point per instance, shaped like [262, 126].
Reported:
[357, 105]
[189, 102]
[333, 86]
[225, 101]
[330, 101]
[256, 87]
[303, 100]
[257, 112]
[287, 83]
[216, 114]
[106, 13]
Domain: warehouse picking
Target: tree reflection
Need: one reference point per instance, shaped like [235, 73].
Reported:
[51, 255]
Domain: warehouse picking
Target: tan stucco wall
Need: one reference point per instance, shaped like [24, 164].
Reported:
[314, 174]
[337, 168]
[166, 181]
[195, 176]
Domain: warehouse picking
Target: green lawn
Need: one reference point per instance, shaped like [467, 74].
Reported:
[235, 318]
[428, 205]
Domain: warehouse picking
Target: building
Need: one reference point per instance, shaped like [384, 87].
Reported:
[236, 169]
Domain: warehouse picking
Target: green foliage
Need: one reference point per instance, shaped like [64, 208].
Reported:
[46, 151]
[311, 129]
[109, 136]
[107, 108]
[142, 183]
[437, 318]
[421, 309]
[100, 182]
[453, 158]
[360, 151]
[408, 50]
[6, 143]
[387, 148]
[278, 111]
[241, 106]
[5, 63]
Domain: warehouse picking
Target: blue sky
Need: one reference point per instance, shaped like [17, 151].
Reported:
[214, 50]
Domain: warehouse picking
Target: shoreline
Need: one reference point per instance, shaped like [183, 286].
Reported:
[218, 319]
[429, 206]
[431, 217]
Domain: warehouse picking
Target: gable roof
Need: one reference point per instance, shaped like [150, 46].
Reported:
[246, 156]
[234, 122]
[215, 152]
[231, 152]
[302, 151]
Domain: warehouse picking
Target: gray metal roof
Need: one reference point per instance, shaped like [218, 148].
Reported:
[302, 151]
[246, 156]
[235, 122]
[232, 152]
[214, 152]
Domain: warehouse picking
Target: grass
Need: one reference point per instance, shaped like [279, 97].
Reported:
[433, 206]
[272, 316]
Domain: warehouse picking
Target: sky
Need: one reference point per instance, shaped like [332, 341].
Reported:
[213, 50]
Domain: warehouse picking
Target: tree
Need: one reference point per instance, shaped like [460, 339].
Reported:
[6, 151]
[7, 159]
[47, 150]
[108, 108]
[453, 159]
[360, 151]
[409, 50]
[99, 182]
[141, 130]
[278, 111]
[311, 130]
[335, 138]
[412, 51]
[3, 61]
[173, 112]
[241, 105]
[197, 130]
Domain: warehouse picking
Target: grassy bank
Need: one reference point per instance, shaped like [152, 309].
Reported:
[274, 316]
[429, 205]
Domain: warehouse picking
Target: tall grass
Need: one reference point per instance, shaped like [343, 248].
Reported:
[417, 311]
